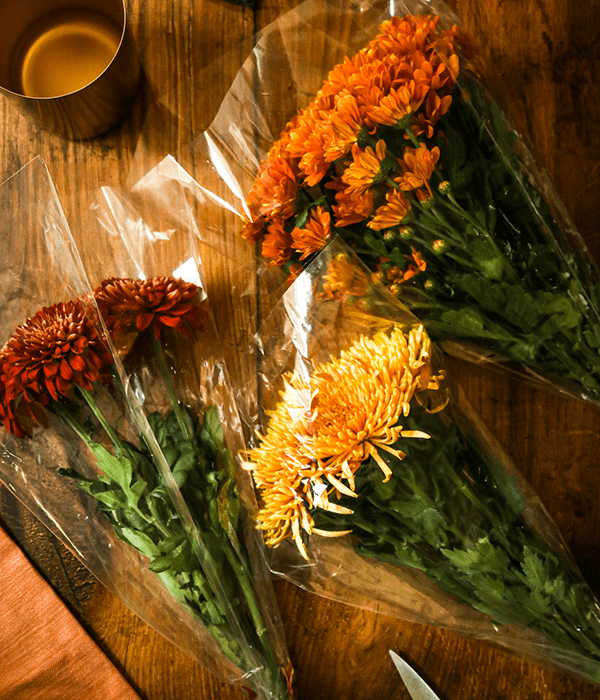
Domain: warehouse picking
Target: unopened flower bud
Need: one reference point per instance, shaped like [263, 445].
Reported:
[396, 289]
[389, 234]
[445, 187]
[406, 231]
[427, 203]
[429, 284]
[439, 245]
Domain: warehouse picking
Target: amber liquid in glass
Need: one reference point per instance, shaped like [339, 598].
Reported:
[64, 52]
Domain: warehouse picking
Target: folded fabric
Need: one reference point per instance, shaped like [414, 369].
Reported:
[45, 653]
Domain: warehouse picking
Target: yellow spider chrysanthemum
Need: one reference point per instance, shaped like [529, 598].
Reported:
[325, 427]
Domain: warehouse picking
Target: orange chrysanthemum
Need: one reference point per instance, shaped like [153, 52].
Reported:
[405, 35]
[341, 75]
[253, 230]
[314, 163]
[398, 104]
[345, 124]
[326, 427]
[416, 264]
[435, 108]
[315, 235]
[365, 168]
[350, 207]
[128, 304]
[417, 166]
[392, 213]
[344, 279]
[277, 243]
[45, 357]
[394, 274]
[275, 187]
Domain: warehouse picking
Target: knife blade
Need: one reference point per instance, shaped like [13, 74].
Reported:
[416, 686]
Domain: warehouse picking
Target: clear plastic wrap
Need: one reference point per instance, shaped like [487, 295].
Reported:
[380, 487]
[400, 150]
[122, 390]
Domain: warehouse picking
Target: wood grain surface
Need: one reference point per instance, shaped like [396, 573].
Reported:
[541, 57]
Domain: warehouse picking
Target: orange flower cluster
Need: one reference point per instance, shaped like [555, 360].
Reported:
[60, 346]
[359, 151]
[324, 428]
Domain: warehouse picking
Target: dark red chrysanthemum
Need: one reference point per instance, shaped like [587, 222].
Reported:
[57, 348]
[19, 416]
[160, 301]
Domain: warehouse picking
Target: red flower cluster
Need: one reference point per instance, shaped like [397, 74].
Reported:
[60, 346]
[128, 304]
[57, 348]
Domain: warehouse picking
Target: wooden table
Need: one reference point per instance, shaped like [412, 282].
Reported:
[541, 57]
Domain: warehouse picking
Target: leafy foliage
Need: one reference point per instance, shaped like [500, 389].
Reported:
[133, 495]
[453, 513]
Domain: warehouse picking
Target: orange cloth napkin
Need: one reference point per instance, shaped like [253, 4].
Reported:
[45, 654]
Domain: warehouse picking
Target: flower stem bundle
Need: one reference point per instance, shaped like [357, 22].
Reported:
[371, 446]
[171, 494]
[404, 155]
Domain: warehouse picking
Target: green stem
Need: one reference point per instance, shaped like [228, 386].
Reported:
[71, 421]
[261, 630]
[110, 431]
[66, 415]
[237, 566]
[412, 138]
[166, 375]
[452, 205]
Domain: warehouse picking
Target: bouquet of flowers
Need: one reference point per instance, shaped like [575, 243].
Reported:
[371, 467]
[122, 392]
[404, 155]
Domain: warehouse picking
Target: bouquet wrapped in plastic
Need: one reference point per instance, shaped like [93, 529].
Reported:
[401, 151]
[379, 486]
[119, 431]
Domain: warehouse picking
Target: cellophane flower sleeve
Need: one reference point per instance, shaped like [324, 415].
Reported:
[370, 121]
[120, 431]
[380, 487]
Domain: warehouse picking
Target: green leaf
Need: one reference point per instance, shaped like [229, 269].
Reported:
[228, 510]
[485, 255]
[489, 295]
[113, 499]
[466, 322]
[212, 427]
[159, 428]
[139, 540]
[397, 257]
[160, 564]
[521, 308]
[592, 339]
[137, 491]
[563, 315]
[523, 351]
[484, 557]
[376, 244]
[116, 468]
[431, 521]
